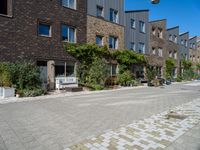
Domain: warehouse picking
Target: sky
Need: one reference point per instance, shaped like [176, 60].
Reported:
[182, 13]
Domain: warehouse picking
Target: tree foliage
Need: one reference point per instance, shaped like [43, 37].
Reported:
[170, 66]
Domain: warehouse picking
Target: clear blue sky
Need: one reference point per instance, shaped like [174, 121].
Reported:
[183, 13]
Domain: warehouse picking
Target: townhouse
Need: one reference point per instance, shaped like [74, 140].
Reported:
[157, 46]
[194, 52]
[37, 30]
[172, 47]
[137, 36]
[105, 23]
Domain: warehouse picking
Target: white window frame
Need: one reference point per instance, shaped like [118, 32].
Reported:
[141, 45]
[68, 4]
[101, 40]
[132, 46]
[115, 18]
[142, 26]
[114, 39]
[133, 23]
[50, 29]
[68, 28]
[102, 12]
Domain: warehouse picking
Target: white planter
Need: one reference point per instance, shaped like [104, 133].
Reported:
[6, 92]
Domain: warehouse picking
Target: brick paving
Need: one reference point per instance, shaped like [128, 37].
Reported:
[57, 123]
[156, 132]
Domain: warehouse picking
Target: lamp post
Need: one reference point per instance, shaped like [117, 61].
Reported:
[155, 1]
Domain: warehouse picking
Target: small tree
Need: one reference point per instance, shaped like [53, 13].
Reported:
[170, 66]
[151, 73]
[188, 71]
[98, 72]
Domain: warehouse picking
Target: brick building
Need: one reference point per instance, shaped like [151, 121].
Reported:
[36, 30]
[157, 45]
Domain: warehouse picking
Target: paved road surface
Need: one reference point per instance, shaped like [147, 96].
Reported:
[57, 123]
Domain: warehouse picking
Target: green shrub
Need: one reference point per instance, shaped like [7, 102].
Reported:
[25, 75]
[5, 75]
[124, 77]
[31, 93]
[179, 79]
[97, 87]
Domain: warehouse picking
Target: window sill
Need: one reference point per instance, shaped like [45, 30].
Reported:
[7, 16]
[74, 9]
[40, 35]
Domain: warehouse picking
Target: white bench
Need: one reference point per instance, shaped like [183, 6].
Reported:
[64, 82]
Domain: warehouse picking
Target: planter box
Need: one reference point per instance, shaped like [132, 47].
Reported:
[6, 92]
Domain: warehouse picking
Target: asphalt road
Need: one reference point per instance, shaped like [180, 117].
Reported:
[57, 123]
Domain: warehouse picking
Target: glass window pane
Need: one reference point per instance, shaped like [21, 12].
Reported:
[44, 29]
[71, 35]
[64, 32]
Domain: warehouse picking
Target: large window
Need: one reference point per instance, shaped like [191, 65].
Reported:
[114, 15]
[69, 3]
[170, 37]
[133, 24]
[142, 26]
[141, 48]
[44, 29]
[160, 52]
[175, 39]
[153, 50]
[100, 11]
[99, 40]
[160, 33]
[68, 34]
[3, 7]
[113, 42]
[132, 46]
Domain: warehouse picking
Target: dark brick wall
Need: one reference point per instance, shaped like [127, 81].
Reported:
[157, 42]
[18, 34]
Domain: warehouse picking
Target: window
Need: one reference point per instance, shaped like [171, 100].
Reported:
[113, 70]
[154, 30]
[114, 15]
[3, 7]
[142, 26]
[141, 48]
[170, 54]
[113, 42]
[44, 29]
[100, 11]
[133, 23]
[160, 52]
[193, 46]
[132, 47]
[186, 43]
[175, 38]
[153, 50]
[69, 3]
[160, 33]
[99, 40]
[182, 42]
[170, 37]
[68, 34]
[175, 55]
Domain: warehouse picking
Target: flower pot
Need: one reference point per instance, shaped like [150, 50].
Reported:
[6, 92]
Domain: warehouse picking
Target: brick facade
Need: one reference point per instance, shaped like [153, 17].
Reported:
[157, 41]
[97, 26]
[19, 32]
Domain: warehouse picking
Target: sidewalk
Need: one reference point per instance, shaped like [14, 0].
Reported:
[59, 94]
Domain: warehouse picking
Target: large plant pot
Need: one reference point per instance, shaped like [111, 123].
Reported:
[6, 92]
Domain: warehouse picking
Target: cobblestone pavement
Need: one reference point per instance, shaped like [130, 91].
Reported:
[58, 123]
[156, 132]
